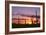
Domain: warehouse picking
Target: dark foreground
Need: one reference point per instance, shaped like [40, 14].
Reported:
[25, 25]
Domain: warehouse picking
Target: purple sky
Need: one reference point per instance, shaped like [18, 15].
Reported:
[25, 10]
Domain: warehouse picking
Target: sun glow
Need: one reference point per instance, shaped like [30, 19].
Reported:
[28, 21]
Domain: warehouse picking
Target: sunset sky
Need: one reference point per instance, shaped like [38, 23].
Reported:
[25, 10]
